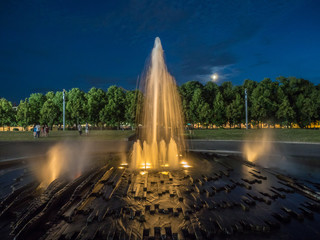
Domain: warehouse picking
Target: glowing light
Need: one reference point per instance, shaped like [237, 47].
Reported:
[253, 151]
[145, 166]
[214, 77]
[186, 166]
[143, 172]
[121, 167]
[65, 160]
[165, 165]
[164, 173]
[124, 164]
[183, 163]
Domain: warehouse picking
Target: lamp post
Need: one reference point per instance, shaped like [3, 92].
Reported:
[64, 109]
[246, 105]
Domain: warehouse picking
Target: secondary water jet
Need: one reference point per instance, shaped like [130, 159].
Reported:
[160, 137]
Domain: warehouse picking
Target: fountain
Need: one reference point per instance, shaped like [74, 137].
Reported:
[160, 139]
[91, 194]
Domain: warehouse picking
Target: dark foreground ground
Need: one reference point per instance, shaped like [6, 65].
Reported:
[219, 197]
[21, 149]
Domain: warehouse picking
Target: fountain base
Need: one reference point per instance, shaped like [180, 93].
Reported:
[218, 197]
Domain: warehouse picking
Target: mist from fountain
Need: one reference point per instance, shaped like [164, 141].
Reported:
[160, 137]
[258, 149]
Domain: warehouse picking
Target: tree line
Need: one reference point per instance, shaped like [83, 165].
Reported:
[285, 101]
[97, 107]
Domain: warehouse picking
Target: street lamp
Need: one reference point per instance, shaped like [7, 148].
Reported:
[246, 104]
[64, 109]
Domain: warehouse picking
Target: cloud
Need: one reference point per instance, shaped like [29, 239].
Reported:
[225, 73]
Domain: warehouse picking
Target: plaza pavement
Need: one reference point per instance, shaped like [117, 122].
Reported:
[18, 151]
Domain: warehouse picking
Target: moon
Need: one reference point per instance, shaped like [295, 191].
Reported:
[214, 77]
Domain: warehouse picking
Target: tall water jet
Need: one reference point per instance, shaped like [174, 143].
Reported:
[160, 137]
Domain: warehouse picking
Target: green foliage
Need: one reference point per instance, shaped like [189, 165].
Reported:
[23, 113]
[219, 113]
[210, 91]
[235, 110]
[49, 113]
[200, 111]
[307, 110]
[133, 103]
[75, 106]
[58, 101]
[113, 112]
[6, 112]
[227, 92]
[96, 101]
[264, 104]
[285, 112]
[36, 101]
[186, 92]
[285, 101]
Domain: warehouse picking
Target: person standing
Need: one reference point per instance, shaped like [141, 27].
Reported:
[42, 133]
[47, 130]
[87, 129]
[34, 130]
[79, 129]
[38, 130]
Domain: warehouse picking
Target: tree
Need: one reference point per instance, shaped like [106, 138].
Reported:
[210, 91]
[250, 85]
[6, 112]
[58, 102]
[205, 113]
[49, 113]
[219, 114]
[113, 112]
[234, 111]
[307, 110]
[35, 103]
[75, 105]
[295, 88]
[226, 90]
[285, 112]
[23, 114]
[96, 101]
[199, 110]
[186, 92]
[49, 95]
[264, 103]
[133, 101]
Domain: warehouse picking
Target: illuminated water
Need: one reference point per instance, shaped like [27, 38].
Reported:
[160, 140]
[63, 159]
[259, 149]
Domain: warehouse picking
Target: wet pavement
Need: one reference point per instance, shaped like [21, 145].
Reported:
[219, 197]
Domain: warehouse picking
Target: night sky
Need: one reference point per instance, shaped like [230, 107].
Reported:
[51, 45]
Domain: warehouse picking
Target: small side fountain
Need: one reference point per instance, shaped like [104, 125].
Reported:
[160, 137]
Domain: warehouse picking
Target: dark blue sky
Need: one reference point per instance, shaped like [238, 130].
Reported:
[51, 45]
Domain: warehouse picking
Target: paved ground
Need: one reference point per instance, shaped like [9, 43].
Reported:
[17, 150]
[13, 150]
[281, 148]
